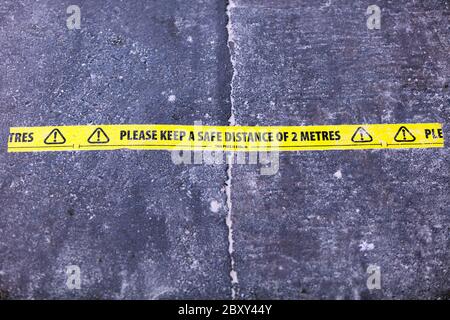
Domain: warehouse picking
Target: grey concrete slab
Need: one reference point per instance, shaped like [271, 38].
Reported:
[137, 225]
[313, 229]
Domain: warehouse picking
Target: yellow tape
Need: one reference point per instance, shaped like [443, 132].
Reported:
[234, 138]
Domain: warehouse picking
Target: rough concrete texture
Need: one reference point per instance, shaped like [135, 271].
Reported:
[139, 226]
[312, 230]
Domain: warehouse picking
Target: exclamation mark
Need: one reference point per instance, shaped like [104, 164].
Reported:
[98, 135]
[54, 137]
[362, 138]
[404, 134]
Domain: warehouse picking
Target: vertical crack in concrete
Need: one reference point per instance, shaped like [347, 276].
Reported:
[230, 158]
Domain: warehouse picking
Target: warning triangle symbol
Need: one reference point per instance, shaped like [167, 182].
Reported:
[98, 136]
[361, 135]
[55, 137]
[403, 135]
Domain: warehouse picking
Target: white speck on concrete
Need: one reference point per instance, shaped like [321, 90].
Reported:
[338, 174]
[172, 98]
[189, 39]
[214, 206]
[365, 246]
